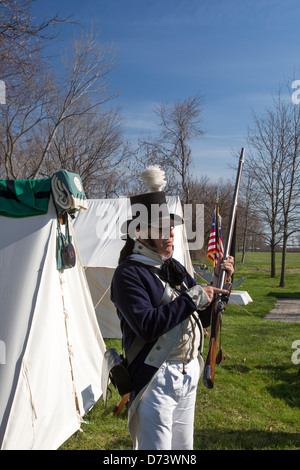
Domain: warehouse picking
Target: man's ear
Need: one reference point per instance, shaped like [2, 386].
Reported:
[142, 233]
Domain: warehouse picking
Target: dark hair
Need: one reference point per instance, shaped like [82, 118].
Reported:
[126, 250]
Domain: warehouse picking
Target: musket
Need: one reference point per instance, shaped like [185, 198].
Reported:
[220, 302]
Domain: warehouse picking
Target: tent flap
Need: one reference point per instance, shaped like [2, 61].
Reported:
[98, 233]
[54, 347]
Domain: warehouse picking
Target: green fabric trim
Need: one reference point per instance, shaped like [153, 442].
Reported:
[24, 198]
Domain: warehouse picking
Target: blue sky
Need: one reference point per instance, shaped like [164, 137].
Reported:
[234, 53]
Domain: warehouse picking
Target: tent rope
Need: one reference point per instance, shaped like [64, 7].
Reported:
[34, 413]
[101, 297]
[69, 346]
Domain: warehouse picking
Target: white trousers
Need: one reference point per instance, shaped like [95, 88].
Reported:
[165, 415]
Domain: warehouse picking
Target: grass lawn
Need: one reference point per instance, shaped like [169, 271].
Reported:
[255, 404]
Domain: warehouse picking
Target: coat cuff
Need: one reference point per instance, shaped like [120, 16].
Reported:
[199, 297]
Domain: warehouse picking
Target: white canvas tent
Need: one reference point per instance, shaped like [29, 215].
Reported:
[51, 345]
[98, 235]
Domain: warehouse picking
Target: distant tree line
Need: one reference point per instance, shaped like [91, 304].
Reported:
[273, 174]
[70, 119]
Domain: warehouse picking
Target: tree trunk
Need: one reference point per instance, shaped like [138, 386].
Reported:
[244, 246]
[273, 268]
[283, 261]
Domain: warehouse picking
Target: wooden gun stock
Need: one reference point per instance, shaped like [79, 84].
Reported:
[121, 404]
[221, 301]
[211, 360]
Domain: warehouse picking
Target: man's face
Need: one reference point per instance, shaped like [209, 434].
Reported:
[159, 240]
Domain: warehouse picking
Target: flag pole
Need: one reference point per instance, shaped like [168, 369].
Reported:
[217, 227]
[215, 242]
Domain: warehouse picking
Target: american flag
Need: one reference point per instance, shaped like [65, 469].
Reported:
[215, 248]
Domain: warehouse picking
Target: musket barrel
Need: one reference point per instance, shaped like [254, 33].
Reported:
[234, 205]
[209, 368]
[232, 216]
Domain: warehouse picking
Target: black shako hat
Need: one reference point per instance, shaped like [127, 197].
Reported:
[150, 209]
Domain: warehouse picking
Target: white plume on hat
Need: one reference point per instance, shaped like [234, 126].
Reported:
[154, 178]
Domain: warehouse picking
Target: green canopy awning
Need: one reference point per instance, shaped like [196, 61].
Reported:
[24, 198]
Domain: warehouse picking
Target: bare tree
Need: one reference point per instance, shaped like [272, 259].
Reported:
[19, 118]
[48, 104]
[178, 125]
[92, 145]
[265, 167]
[87, 76]
[26, 80]
[203, 191]
[21, 38]
[250, 224]
[274, 166]
[16, 21]
[290, 182]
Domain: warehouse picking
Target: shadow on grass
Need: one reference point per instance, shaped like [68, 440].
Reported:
[287, 386]
[284, 295]
[222, 439]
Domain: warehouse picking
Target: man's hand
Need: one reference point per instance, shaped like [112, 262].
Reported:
[212, 292]
[225, 264]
